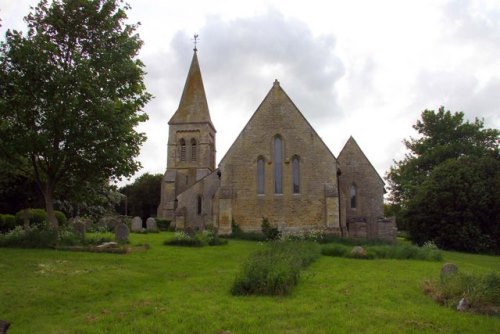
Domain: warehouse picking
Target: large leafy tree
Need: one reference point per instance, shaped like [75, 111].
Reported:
[443, 185]
[142, 196]
[71, 95]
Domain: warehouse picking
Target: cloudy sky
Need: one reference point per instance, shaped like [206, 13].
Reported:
[361, 68]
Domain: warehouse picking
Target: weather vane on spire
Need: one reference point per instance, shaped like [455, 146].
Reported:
[195, 42]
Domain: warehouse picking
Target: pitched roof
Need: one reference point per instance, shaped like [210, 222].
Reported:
[351, 143]
[193, 106]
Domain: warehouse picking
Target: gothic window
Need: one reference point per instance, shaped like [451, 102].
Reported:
[296, 175]
[260, 175]
[199, 205]
[182, 145]
[278, 165]
[354, 196]
[194, 151]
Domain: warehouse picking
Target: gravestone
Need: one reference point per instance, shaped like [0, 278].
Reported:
[4, 326]
[136, 224]
[463, 305]
[121, 233]
[151, 225]
[448, 270]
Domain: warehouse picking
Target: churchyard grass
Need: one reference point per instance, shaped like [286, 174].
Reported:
[169, 289]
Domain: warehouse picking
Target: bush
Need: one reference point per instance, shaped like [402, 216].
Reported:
[276, 269]
[7, 223]
[271, 233]
[163, 224]
[482, 291]
[39, 217]
[183, 239]
[400, 252]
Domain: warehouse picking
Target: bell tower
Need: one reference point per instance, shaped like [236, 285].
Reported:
[191, 142]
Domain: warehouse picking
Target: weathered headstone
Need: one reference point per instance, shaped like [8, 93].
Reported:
[463, 305]
[189, 231]
[448, 270]
[136, 224]
[151, 225]
[121, 233]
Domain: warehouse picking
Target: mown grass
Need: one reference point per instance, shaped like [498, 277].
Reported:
[187, 290]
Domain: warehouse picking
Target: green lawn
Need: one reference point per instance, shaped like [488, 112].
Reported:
[171, 289]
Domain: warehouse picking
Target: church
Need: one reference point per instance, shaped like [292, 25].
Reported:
[278, 168]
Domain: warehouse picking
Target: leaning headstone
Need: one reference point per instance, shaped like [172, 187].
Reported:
[121, 233]
[463, 305]
[448, 270]
[136, 224]
[151, 225]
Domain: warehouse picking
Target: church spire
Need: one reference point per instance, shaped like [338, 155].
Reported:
[193, 107]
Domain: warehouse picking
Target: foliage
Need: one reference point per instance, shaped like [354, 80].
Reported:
[237, 233]
[446, 187]
[163, 224]
[75, 70]
[482, 291]
[205, 238]
[399, 252]
[458, 206]
[276, 269]
[39, 217]
[270, 232]
[7, 222]
[142, 196]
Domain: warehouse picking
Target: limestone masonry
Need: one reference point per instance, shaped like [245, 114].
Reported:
[277, 168]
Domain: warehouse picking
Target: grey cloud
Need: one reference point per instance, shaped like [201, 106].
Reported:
[234, 55]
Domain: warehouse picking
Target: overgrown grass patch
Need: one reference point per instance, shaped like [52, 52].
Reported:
[396, 251]
[481, 291]
[275, 270]
[205, 238]
[187, 290]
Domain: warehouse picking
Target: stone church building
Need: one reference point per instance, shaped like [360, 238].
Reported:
[277, 168]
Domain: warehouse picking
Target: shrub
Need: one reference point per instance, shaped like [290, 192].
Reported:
[271, 233]
[400, 252]
[183, 239]
[7, 223]
[61, 217]
[39, 217]
[482, 291]
[276, 269]
[163, 224]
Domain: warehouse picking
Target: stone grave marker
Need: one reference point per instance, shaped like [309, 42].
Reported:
[121, 233]
[448, 269]
[26, 216]
[136, 224]
[151, 225]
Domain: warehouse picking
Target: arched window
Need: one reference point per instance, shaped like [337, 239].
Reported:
[260, 175]
[199, 205]
[278, 165]
[354, 196]
[296, 174]
[194, 151]
[182, 145]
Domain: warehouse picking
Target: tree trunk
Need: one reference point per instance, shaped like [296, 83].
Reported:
[49, 205]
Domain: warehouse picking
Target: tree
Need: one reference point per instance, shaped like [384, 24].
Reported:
[143, 196]
[444, 158]
[71, 95]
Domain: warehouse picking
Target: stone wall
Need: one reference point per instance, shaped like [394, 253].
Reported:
[313, 206]
[357, 170]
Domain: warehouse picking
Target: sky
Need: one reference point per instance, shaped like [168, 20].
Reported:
[360, 67]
